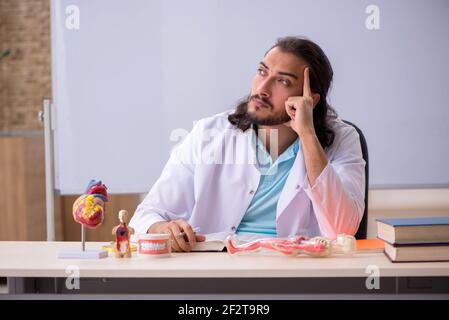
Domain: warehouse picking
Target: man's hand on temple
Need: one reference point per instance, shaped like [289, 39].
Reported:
[300, 109]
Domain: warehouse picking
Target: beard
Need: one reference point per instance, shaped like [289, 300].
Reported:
[257, 118]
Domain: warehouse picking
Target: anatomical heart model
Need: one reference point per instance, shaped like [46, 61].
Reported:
[88, 210]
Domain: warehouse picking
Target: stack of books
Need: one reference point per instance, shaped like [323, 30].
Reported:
[414, 240]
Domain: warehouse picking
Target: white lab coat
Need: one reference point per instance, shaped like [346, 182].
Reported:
[215, 197]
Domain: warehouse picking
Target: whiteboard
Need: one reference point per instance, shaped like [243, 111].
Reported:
[136, 74]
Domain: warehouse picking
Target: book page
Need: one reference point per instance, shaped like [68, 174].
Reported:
[216, 241]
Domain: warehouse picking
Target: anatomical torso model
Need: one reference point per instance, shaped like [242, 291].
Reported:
[123, 236]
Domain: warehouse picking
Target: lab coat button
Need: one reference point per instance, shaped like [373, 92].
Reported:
[233, 228]
[251, 192]
[297, 186]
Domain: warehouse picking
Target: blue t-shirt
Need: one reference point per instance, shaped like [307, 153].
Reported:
[260, 217]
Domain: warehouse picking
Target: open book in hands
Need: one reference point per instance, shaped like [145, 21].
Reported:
[216, 241]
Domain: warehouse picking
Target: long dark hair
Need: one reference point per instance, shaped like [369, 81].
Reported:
[321, 74]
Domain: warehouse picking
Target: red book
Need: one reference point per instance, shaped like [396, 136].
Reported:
[370, 245]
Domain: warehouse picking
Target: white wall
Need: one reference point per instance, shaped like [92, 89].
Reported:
[405, 203]
[137, 70]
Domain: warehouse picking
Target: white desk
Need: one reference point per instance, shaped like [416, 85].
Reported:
[38, 260]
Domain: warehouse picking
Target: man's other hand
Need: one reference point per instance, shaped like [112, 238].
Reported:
[182, 236]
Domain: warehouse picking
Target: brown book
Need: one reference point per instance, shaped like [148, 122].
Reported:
[417, 252]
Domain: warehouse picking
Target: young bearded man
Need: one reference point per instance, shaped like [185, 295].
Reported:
[308, 176]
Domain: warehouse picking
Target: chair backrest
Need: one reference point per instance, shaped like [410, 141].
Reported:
[361, 233]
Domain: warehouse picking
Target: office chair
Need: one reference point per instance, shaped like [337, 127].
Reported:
[361, 233]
